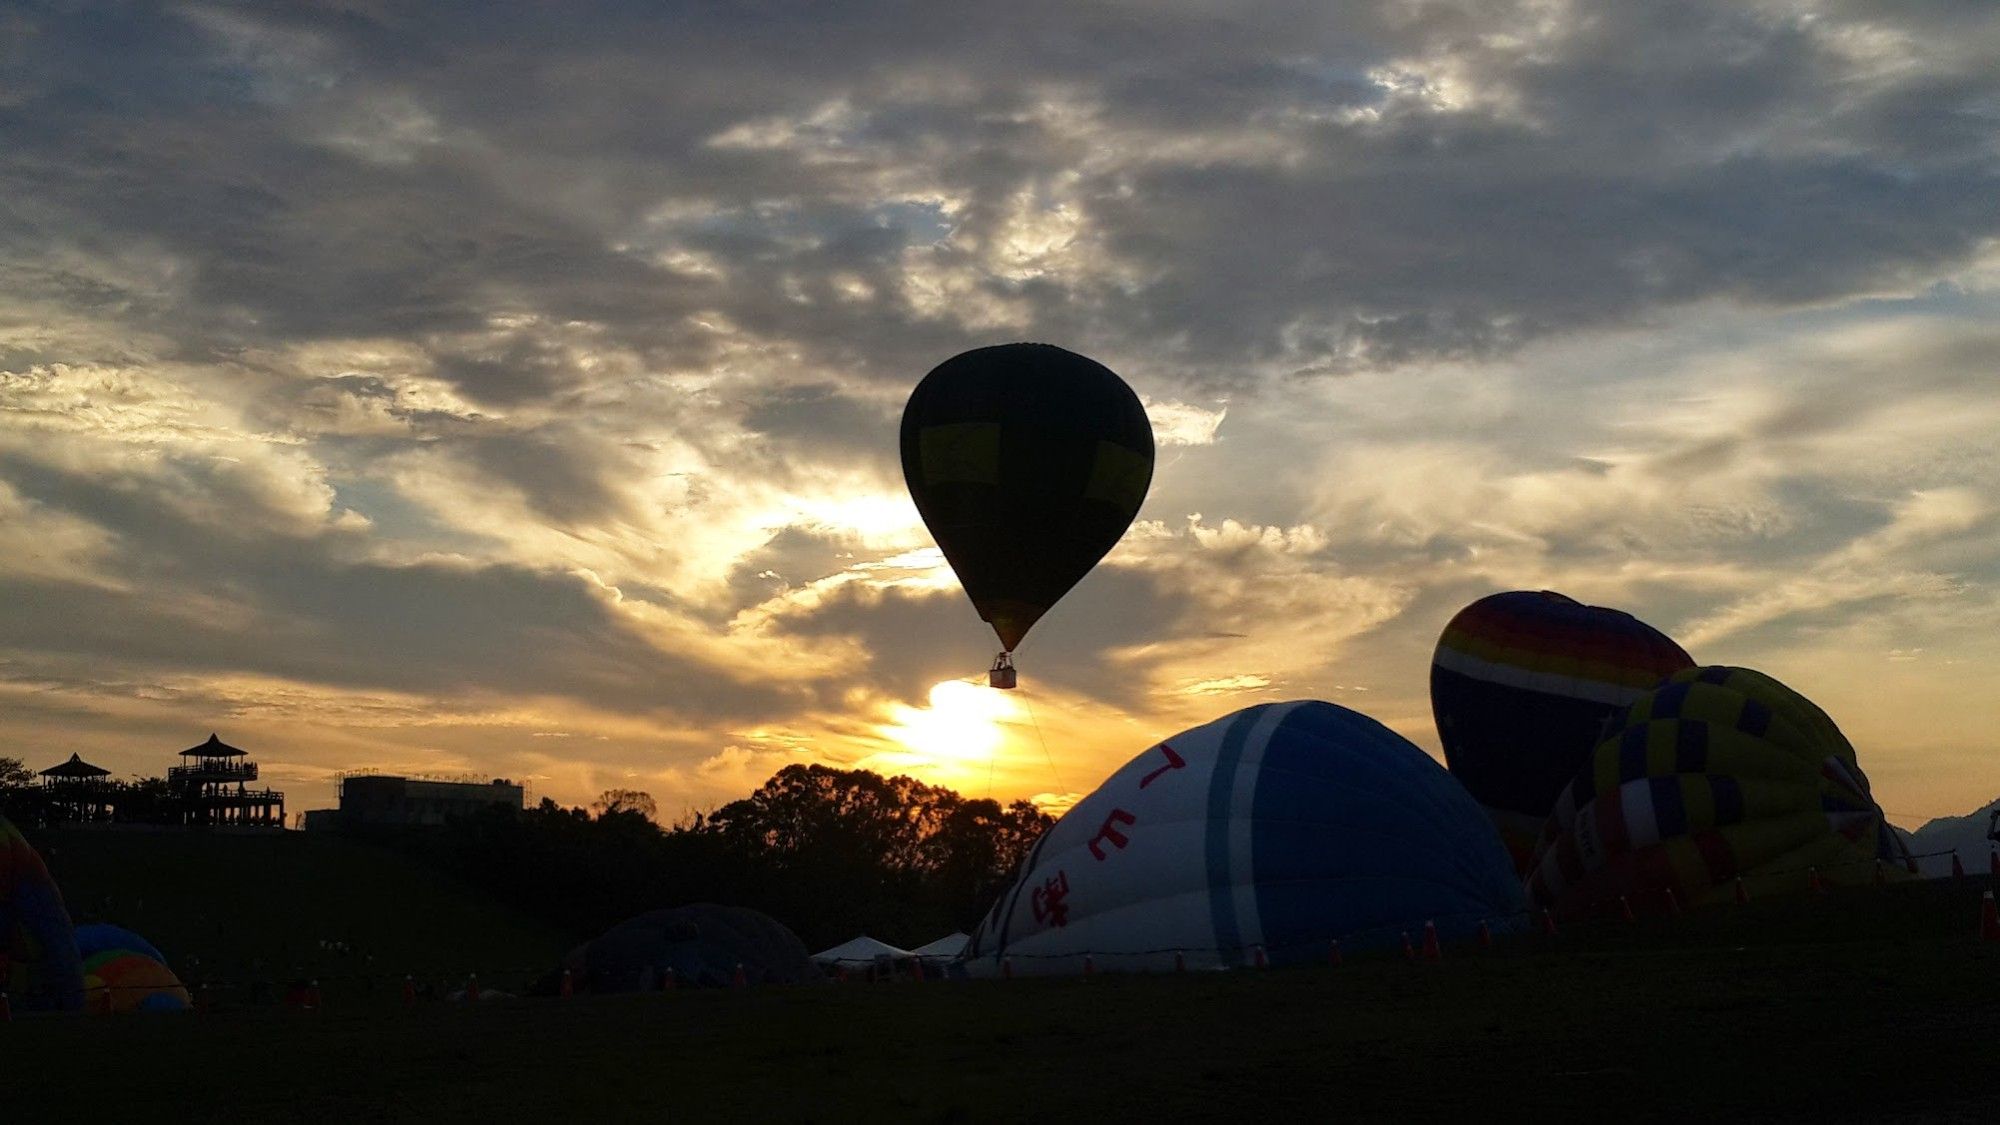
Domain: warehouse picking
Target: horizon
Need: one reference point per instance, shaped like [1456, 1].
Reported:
[516, 395]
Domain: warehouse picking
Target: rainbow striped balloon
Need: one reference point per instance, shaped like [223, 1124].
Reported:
[1524, 684]
[38, 959]
[122, 972]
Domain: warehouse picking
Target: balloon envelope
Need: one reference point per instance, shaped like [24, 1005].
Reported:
[1027, 462]
[1524, 685]
[1719, 773]
[702, 943]
[39, 967]
[1282, 827]
[123, 972]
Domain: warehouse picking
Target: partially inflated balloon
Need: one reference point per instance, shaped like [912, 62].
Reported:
[1027, 463]
[122, 972]
[39, 969]
[1524, 684]
[1275, 830]
[1720, 773]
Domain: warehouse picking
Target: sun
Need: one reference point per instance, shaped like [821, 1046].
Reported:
[962, 725]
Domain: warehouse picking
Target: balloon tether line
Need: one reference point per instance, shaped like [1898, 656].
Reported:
[1046, 756]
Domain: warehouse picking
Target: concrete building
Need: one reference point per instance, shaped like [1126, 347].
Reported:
[374, 800]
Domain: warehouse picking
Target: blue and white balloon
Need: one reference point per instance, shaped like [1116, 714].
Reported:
[1270, 832]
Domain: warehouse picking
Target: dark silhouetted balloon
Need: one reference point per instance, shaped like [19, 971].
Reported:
[1524, 684]
[1027, 463]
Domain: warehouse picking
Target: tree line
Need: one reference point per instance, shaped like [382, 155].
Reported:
[829, 852]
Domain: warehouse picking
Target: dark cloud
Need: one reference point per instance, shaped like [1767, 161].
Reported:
[660, 271]
[1433, 181]
[223, 598]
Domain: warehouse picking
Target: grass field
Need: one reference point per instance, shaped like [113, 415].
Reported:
[1863, 1005]
[251, 911]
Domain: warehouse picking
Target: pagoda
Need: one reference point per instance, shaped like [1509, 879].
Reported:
[76, 791]
[213, 788]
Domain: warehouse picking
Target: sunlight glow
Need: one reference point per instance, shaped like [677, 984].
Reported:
[961, 726]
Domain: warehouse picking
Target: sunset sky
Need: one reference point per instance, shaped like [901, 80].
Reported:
[512, 389]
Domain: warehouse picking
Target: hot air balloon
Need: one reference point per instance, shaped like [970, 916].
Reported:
[122, 972]
[1524, 684]
[39, 970]
[1264, 835]
[1027, 462]
[699, 944]
[1718, 774]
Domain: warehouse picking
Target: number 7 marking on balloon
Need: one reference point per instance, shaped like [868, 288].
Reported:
[1174, 762]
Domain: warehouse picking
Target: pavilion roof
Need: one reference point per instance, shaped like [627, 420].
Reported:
[76, 767]
[213, 748]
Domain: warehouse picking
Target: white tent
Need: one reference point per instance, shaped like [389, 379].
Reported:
[946, 948]
[859, 951]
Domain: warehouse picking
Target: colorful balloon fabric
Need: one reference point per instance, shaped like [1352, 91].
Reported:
[1524, 684]
[39, 968]
[1719, 773]
[122, 972]
[1027, 462]
[1269, 833]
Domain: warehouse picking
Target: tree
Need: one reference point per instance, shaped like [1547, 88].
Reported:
[14, 774]
[625, 802]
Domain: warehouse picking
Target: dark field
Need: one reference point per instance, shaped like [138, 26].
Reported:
[1865, 1004]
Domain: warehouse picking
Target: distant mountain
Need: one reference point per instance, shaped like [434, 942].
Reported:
[1965, 833]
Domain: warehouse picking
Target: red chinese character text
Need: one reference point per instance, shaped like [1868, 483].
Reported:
[1174, 762]
[1048, 900]
[1108, 831]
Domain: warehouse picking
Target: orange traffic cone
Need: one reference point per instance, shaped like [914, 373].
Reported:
[1485, 935]
[1258, 959]
[1180, 961]
[1548, 923]
[567, 988]
[1989, 918]
[1957, 867]
[1813, 884]
[742, 979]
[409, 991]
[1742, 892]
[1673, 904]
[1409, 951]
[1431, 950]
[1333, 954]
[1625, 909]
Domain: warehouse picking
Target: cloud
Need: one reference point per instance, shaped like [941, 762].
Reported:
[400, 377]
